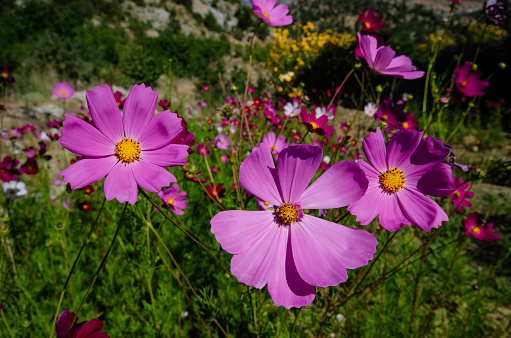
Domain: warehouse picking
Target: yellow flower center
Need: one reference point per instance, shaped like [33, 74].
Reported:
[314, 125]
[405, 125]
[287, 213]
[475, 230]
[170, 201]
[392, 180]
[456, 195]
[266, 203]
[5, 75]
[463, 83]
[385, 117]
[266, 15]
[273, 148]
[63, 92]
[128, 150]
[367, 24]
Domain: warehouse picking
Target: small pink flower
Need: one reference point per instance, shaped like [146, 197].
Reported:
[118, 99]
[286, 249]
[63, 90]
[344, 128]
[224, 158]
[315, 124]
[202, 149]
[382, 60]
[474, 228]
[370, 22]
[222, 142]
[273, 15]
[410, 122]
[469, 81]
[460, 196]
[174, 199]
[250, 89]
[276, 145]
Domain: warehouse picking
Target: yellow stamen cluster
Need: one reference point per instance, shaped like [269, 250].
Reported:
[475, 230]
[456, 195]
[314, 125]
[170, 201]
[266, 15]
[392, 180]
[4, 75]
[273, 148]
[63, 92]
[287, 213]
[463, 83]
[128, 150]
[367, 24]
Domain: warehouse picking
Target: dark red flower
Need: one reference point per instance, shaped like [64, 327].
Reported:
[30, 167]
[118, 99]
[316, 125]
[215, 191]
[370, 22]
[89, 189]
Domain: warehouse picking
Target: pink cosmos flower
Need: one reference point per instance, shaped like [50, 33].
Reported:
[91, 328]
[275, 145]
[316, 124]
[474, 228]
[410, 122]
[274, 16]
[392, 115]
[224, 158]
[400, 176]
[382, 60]
[130, 149]
[287, 250]
[174, 199]
[222, 142]
[63, 90]
[460, 196]
[469, 81]
[370, 22]
[118, 99]
[202, 149]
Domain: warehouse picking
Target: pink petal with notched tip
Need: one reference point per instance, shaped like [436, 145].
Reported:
[151, 177]
[138, 110]
[259, 263]
[391, 215]
[105, 112]
[120, 184]
[87, 171]
[375, 150]
[259, 176]
[76, 131]
[322, 250]
[168, 156]
[160, 131]
[328, 192]
[421, 210]
[287, 288]
[296, 167]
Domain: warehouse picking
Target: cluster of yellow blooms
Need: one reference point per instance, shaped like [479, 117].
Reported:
[487, 32]
[291, 55]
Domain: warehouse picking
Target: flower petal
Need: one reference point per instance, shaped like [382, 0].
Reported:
[259, 176]
[429, 150]
[138, 110]
[366, 208]
[375, 150]
[344, 183]
[391, 215]
[323, 250]
[88, 170]
[151, 177]
[438, 181]
[383, 57]
[81, 138]
[296, 167]
[288, 289]
[105, 112]
[421, 210]
[401, 146]
[259, 263]
[168, 156]
[120, 184]
[368, 46]
[160, 131]
[238, 230]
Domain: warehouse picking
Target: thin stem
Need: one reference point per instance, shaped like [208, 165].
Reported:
[340, 87]
[103, 261]
[203, 188]
[184, 231]
[283, 323]
[297, 314]
[74, 265]
[6, 324]
[303, 138]
[252, 307]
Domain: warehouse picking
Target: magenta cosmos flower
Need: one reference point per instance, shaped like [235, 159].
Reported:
[130, 149]
[315, 123]
[400, 176]
[469, 81]
[382, 60]
[460, 196]
[174, 199]
[288, 250]
[273, 15]
[370, 22]
[63, 90]
[275, 145]
[482, 232]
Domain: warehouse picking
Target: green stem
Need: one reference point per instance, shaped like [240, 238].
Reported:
[102, 262]
[6, 323]
[74, 265]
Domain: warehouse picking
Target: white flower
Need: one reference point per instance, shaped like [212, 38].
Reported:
[320, 111]
[370, 109]
[14, 189]
[339, 317]
[327, 159]
[291, 109]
